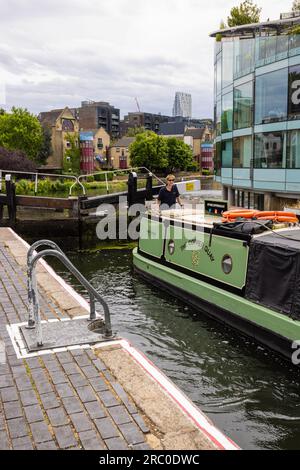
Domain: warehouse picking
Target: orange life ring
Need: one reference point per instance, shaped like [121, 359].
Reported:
[276, 216]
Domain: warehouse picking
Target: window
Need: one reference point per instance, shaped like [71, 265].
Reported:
[293, 149]
[227, 63]
[242, 106]
[271, 97]
[269, 150]
[219, 74]
[118, 149]
[243, 57]
[227, 111]
[242, 151]
[226, 153]
[100, 143]
[217, 159]
[294, 92]
[218, 118]
[294, 46]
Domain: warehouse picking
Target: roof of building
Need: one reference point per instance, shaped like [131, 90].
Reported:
[196, 133]
[252, 28]
[123, 142]
[50, 117]
[172, 128]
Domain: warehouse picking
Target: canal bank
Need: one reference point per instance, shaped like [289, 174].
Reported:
[108, 396]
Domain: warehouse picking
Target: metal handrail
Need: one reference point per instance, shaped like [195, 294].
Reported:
[33, 293]
[36, 175]
[125, 170]
[31, 280]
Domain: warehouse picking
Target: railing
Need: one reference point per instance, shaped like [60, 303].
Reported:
[77, 179]
[34, 317]
[36, 178]
[117, 171]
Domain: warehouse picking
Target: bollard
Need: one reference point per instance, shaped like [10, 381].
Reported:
[11, 198]
[132, 188]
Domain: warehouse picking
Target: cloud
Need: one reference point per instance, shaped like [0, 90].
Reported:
[57, 53]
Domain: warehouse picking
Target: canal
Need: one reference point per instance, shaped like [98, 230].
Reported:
[249, 392]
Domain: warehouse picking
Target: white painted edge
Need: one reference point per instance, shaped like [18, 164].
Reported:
[186, 405]
[20, 348]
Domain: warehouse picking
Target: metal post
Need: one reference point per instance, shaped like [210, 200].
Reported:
[11, 198]
[92, 292]
[107, 190]
[0, 181]
[92, 308]
[149, 185]
[36, 184]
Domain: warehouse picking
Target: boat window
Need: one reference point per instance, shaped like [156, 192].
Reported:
[227, 264]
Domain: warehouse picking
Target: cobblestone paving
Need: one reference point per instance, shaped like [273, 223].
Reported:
[66, 400]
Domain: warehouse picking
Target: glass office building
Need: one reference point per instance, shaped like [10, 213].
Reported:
[257, 112]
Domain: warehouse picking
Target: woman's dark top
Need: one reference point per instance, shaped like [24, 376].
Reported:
[168, 197]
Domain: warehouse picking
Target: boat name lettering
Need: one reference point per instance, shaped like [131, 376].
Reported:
[209, 253]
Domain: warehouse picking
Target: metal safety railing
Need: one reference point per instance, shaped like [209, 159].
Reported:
[36, 177]
[34, 316]
[115, 172]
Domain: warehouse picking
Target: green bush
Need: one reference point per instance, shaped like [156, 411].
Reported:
[90, 179]
[101, 177]
[24, 187]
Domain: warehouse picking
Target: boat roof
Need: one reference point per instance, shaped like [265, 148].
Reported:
[282, 235]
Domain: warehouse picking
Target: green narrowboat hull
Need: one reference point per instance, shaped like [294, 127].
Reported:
[271, 328]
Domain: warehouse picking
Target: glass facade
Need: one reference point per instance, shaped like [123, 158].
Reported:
[242, 152]
[257, 111]
[227, 63]
[226, 150]
[218, 159]
[227, 113]
[271, 92]
[218, 117]
[243, 105]
[293, 149]
[294, 92]
[268, 150]
[243, 57]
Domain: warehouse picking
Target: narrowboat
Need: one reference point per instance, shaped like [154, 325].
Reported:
[243, 270]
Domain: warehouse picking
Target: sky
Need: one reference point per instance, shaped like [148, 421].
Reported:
[56, 53]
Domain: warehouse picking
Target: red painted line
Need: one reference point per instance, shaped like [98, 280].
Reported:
[183, 408]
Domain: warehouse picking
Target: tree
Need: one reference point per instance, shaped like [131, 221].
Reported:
[20, 130]
[15, 160]
[71, 162]
[134, 131]
[46, 148]
[219, 35]
[247, 12]
[180, 155]
[296, 5]
[149, 150]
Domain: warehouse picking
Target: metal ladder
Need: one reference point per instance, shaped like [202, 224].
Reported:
[34, 317]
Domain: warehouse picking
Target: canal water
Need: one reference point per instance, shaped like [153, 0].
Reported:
[250, 394]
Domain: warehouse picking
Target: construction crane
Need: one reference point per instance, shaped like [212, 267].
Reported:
[138, 106]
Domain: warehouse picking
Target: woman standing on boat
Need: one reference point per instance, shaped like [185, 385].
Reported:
[169, 194]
